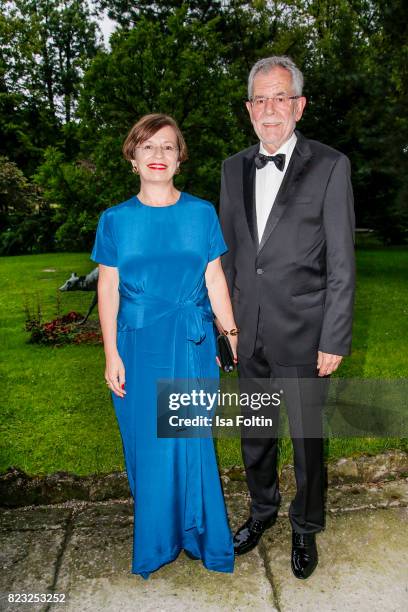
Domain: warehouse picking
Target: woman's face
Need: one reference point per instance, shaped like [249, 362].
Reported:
[156, 158]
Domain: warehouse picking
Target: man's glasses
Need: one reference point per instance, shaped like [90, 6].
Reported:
[167, 149]
[281, 101]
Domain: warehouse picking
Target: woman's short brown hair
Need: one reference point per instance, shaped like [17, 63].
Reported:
[146, 127]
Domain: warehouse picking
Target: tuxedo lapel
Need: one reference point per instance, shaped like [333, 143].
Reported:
[297, 165]
[248, 179]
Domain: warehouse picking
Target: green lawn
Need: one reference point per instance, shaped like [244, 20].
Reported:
[56, 411]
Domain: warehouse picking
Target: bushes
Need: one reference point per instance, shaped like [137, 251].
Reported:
[22, 233]
[54, 213]
[26, 218]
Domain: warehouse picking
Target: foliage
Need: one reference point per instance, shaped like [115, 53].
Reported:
[59, 331]
[25, 215]
[357, 85]
[16, 192]
[73, 188]
[178, 72]
[55, 41]
[66, 102]
[128, 13]
[32, 233]
[45, 47]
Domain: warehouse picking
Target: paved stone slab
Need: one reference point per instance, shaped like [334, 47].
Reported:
[95, 573]
[181, 586]
[84, 549]
[34, 518]
[27, 561]
[118, 513]
[363, 564]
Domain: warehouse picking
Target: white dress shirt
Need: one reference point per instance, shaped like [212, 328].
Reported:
[267, 182]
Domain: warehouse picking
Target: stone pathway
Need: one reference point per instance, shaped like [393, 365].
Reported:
[83, 549]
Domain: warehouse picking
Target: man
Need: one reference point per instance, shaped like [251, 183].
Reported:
[287, 215]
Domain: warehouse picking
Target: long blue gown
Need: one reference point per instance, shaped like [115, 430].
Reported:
[165, 331]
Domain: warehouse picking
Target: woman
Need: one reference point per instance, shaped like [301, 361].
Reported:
[160, 281]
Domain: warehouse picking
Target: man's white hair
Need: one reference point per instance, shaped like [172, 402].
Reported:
[266, 64]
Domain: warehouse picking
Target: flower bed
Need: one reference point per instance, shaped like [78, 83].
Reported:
[63, 330]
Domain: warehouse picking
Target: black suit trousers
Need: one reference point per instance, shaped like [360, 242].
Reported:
[306, 512]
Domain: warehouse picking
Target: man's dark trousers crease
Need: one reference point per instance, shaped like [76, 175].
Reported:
[260, 455]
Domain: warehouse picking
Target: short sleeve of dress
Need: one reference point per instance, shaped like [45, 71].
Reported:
[217, 244]
[104, 249]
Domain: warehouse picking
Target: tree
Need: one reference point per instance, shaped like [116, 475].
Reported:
[45, 47]
[25, 216]
[128, 13]
[66, 104]
[16, 192]
[181, 73]
[72, 189]
[57, 38]
[356, 83]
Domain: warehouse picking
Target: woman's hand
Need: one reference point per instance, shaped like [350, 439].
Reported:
[233, 340]
[115, 375]
[220, 302]
[234, 345]
[108, 304]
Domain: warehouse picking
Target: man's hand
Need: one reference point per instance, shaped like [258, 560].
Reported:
[327, 363]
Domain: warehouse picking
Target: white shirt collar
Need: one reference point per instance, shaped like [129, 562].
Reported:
[286, 148]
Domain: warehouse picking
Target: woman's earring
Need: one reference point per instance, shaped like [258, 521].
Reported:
[135, 169]
[177, 170]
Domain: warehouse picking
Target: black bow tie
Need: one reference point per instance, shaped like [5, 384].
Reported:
[261, 160]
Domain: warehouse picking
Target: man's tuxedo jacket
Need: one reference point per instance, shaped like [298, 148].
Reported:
[301, 276]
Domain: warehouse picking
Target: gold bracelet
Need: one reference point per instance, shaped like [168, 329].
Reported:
[232, 332]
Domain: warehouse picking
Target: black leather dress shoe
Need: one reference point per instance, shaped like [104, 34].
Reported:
[304, 554]
[248, 536]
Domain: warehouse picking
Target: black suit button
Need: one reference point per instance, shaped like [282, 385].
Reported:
[259, 271]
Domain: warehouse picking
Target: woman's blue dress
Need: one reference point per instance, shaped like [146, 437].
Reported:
[165, 331]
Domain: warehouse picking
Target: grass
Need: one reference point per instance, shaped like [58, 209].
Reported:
[57, 413]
